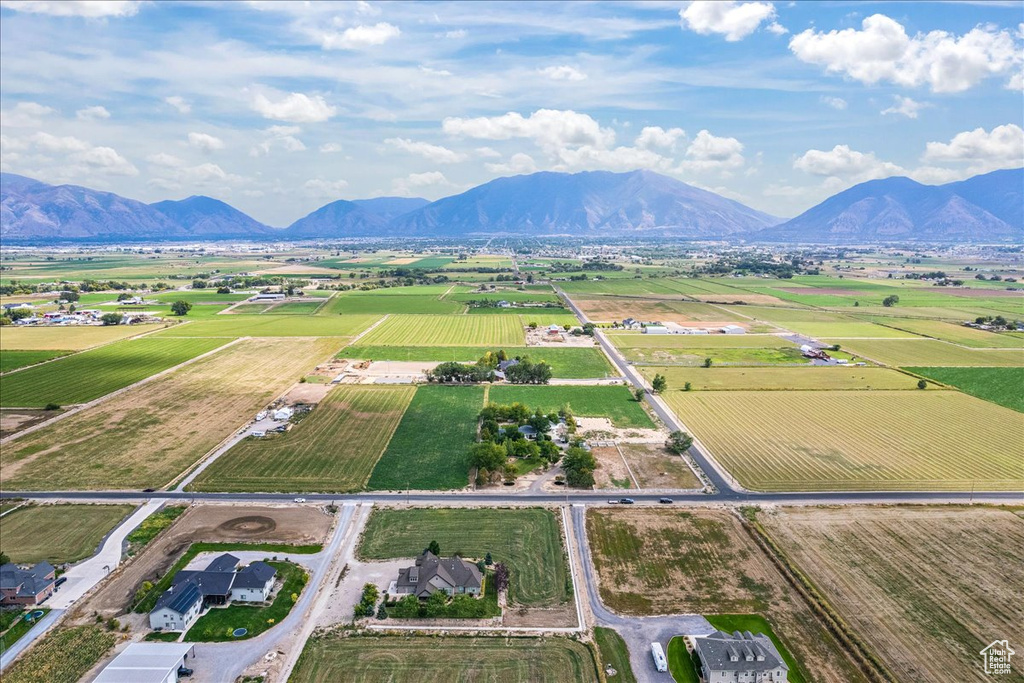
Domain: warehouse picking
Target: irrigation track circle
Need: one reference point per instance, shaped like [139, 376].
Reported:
[253, 525]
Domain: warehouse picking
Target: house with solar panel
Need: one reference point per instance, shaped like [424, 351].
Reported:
[221, 583]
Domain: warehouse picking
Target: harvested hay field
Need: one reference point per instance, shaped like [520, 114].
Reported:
[293, 525]
[930, 352]
[813, 378]
[926, 588]
[57, 533]
[336, 659]
[333, 449]
[956, 334]
[672, 562]
[639, 340]
[619, 308]
[655, 467]
[858, 440]
[148, 435]
[72, 338]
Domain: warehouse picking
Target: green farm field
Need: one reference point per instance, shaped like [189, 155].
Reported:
[430, 447]
[12, 360]
[931, 352]
[639, 340]
[833, 377]
[273, 326]
[71, 338]
[1004, 386]
[447, 330]
[149, 434]
[411, 300]
[335, 659]
[614, 402]
[64, 655]
[88, 375]
[57, 533]
[844, 330]
[568, 363]
[783, 354]
[528, 540]
[858, 440]
[333, 449]
[957, 334]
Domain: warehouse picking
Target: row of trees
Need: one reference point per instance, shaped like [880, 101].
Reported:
[501, 440]
[523, 372]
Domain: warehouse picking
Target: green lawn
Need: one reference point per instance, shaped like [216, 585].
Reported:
[430, 448]
[57, 533]
[151, 526]
[614, 652]
[528, 540]
[12, 360]
[567, 363]
[755, 623]
[218, 623]
[1004, 386]
[614, 402]
[19, 627]
[681, 663]
[88, 375]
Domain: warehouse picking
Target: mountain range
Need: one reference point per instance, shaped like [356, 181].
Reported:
[986, 208]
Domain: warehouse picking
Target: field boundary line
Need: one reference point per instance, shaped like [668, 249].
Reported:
[384, 450]
[628, 469]
[446, 293]
[355, 340]
[116, 392]
[140, 335]
[570, 550]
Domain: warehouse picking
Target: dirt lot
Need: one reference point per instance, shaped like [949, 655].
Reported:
[705, 562]
[296, 525]
[541, 337]
[656, 468]
[926, 588]
[602, 429]
[611, 472]
[13, 421]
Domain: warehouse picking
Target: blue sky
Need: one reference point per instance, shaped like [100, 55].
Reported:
[279, 108]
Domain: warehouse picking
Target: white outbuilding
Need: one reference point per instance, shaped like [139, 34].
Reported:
[148, 663]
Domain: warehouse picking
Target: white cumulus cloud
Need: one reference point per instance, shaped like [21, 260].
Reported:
[1002, 147]
[357, 37]
[551, 129]
[656, 137]
[416, 182]
[734, 20]
[845, 163]
[92, 113]
[282, 137]
[75, 8]
[324, 189]
[882, 51]
[330, 147]
[205, 142]
[435, 153]
[517, 163]
[837, 103]
[25, 114]
[179, 103]
[905, 106]
[81, 157]
[709, 152]
[295, 108]
[562, 73]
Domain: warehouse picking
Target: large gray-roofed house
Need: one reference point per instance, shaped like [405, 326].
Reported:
[740, 658]
[177, 608]
[431, 573]
[26, 586]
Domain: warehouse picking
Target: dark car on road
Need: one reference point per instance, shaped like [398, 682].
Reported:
[626, 501]
[665, 501]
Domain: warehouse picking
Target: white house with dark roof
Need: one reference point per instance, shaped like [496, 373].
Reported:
[740, 658]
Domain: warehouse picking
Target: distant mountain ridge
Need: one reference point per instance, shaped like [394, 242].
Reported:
[985, 208]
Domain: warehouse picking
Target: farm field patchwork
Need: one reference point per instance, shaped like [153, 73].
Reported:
[528, 540]
[782, 353]
[337, 659]
[931, 352]
[957, 334]
[1004, 386]
[614, 402]
[447, 330]
[671, 562]
[333, 449]
[430, 447]
[783, 316]
[57, 533]
[619, 308]
[12, 360]
[88, 375]
[567, 363]
[639, 340]
[149, 434]
[420, 300]
[899, 577]
[844, 330]
[857, 440]
[70, 338]
[274, 326]
[832, 377]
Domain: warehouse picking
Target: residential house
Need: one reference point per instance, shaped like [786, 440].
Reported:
[453, 575]
[740, 658]
[26, 586]
[220, 583]
[283, 413]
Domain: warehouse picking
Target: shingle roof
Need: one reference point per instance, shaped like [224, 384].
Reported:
[180, 598]
[225, 563]
[452, 570]
[256, 575]
[209, 583]
[745, 651]
[28, 582]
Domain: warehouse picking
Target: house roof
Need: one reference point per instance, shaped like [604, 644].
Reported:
[256, 575]
[506, 364]
[224, 563]
[209, 583]
[745, 651]
[27, 582]
[454, 571]
[179, 598]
